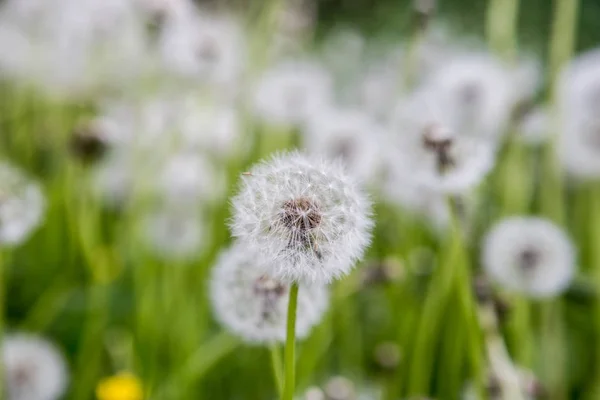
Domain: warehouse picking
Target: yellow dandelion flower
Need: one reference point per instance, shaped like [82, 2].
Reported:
[124, 386]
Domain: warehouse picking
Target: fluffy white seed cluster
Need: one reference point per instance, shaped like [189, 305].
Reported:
[350, 135]
[431, 155]
[34, 369]
[289, 93]
[22, 205]
[253, 305]
[529, 255]
[173, 234]
[579, 145]
[305, 214]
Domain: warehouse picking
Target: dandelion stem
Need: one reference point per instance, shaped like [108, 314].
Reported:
[2, 306]
[277, 368]
[290, 345]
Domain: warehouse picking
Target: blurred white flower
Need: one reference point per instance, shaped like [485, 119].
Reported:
[579, 145]
[251, 304]
[477, 94]
[379, 88]
[306, 215]
[529, 255]
[204, 48]
[174, 234]
[212, 128]
[347, 134]
[34, 369]
[428, 154]
[291, 92]
[535, 128]
[189, 178]
[22, 205]
[73, 47]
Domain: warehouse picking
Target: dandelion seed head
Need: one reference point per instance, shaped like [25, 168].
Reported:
[305, 214]
[253, 305]
[291, 92]
[174, 234]
[350, 135]
[535, 128]
[22, 205]
[34, 368]
[529, 255]
[430, 154]
[579, 142]
[477, 93]
[203, 46]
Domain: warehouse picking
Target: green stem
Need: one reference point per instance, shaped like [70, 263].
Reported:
[564, 29]
[277, 367]
[2, 311]
[201, 361]
[290, 345]
[501, 27]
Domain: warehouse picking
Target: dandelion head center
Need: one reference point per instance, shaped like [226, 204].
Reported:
[23, 373]
[294, 97]
[438, 142]
[208, 51]
[528, 259]
[470, 94]
[301, 214]
[343, 148]
[268, 287]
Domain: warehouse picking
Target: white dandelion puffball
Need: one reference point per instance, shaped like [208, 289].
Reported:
[187, 177]
[306, 215]
[34, 369]
[291, 92]
[431, 155]
[529, 255]
[205, 47]
[347, 134]
[535, 128]
[579, 143]
[252, 305]
[174, 234]
[477, 92]
[22, 205]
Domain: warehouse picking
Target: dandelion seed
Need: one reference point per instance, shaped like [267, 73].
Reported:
[292, 92]
[34, 368]
[305, 215]
[529, 255]
[22, 205]
[253, 305]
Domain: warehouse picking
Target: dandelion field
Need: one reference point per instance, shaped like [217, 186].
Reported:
[226, 201]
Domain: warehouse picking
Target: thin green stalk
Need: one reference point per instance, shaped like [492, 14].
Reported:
[198, 364]
[594, 260]
[562, 41]
[277, 368]
[501, 27]
[2, 311]
[290, 345]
